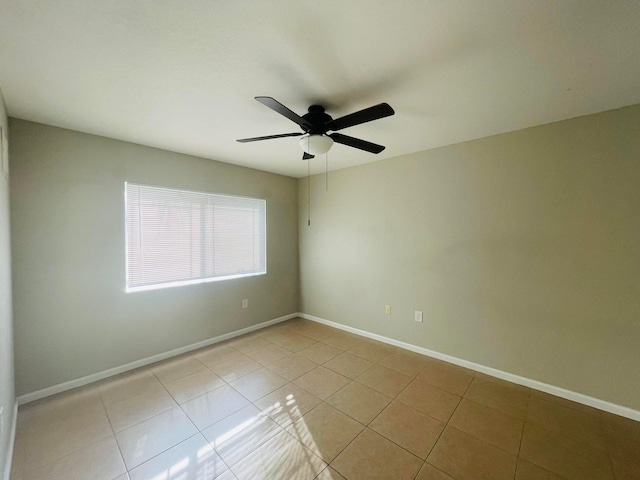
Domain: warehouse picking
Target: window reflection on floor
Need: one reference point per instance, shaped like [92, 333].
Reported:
[251, 444]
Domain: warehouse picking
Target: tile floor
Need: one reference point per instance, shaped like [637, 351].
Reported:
[300, 400]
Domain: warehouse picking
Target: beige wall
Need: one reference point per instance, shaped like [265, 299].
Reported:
[7, 394]
[72, 315]
[522, 250]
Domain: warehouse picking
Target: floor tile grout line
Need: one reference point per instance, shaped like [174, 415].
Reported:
[481, 439]
[517, 455]
[145, 419]
[545, 427]
[575, 411]
[435, 468]
[394, 398]
[175, 445]
[200, 432]
[321, 471]
[524, 423]
[345, 447]
[401, 446]
[567, 404]
[365, 426]
[445, 426]
[553, 432]
[547, 470]
[190, 420]
[494, 408]
[298, 419]
[601, 422]
[113, 432]
[227, 416]
[294, 439]
[522, 435]
[385, 437]
[74, 451]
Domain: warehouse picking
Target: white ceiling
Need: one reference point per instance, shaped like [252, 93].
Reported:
[181, 75]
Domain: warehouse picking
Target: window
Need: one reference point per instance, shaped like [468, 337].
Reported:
[178, 237]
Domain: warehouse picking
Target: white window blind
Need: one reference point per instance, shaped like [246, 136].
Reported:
[178, 237]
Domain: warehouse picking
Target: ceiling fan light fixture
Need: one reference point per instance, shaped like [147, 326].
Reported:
[316, 144]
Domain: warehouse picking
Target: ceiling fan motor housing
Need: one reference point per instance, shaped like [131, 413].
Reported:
[317, 118]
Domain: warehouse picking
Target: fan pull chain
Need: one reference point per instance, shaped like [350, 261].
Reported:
[308, 188]
[326, 172]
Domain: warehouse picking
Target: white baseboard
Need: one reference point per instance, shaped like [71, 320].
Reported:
[510, 377]
[12, 441]
[62, 387]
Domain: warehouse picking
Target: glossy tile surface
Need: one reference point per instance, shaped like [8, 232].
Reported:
[359, 402]
[320, 352]
[371, 456]
[430, 400]
[409, 428]
[292, 367]
[193, 385]
[281, 457]
[325, 431]
[300, 400]
[565, 456]
[51, 437]
[509, 399]
[287, 404]
[192, 459]
[348, 365]
[322, 382]
[174, 369]
[99, 461]
[213, 406]
[429, 472]
[240, 433]
[465, 457]
[133, 410]
[259, 383]
[489, 425]
[448, 377]
[384, 380]
[153, 436]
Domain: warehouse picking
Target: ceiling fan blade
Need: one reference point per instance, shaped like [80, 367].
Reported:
[276, 106]
[268, 137]
[368, 114]
[307, 156]
[356, 143]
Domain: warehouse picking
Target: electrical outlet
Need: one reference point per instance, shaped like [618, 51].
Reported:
[245, 303]
[418, 316]
[387, 309]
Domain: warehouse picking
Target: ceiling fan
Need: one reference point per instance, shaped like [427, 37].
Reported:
[316, 124]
